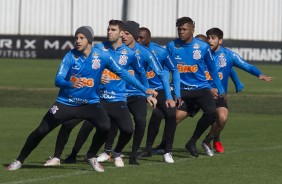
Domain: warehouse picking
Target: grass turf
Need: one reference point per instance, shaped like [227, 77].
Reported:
[251, 137]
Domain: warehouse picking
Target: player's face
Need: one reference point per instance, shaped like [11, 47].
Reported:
[143, 38]
[127, 38]
[81, 42]
[214, 42]
[114, 33]
[185, 32]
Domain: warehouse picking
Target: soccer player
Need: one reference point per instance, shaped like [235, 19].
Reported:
[78, 78]
[157, 115]
[136, 100]
[192, 57]
[144, 38]
[113, 99]
[225, 59]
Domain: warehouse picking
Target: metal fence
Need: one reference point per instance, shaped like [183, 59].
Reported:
[259, 20]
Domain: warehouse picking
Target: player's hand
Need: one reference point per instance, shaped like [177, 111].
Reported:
[152, 101]
[265, 78]
[79, 83]
[214, 92]
[170, 103]
[224, 96]
[239, 87]
[105, 79]
[178, 102]
[151, 92]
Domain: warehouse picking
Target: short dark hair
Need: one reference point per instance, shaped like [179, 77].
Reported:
[118, 23]
[146, 30]
[183, 20]
[215, 31]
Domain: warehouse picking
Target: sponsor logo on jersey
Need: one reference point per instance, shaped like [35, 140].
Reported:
[107, 94]
[208, 76]
[111, 75]
[96, 64]
[86, 82]
[150, 74]
[75, 67]
[196, 46]
[123, 60]
[137, 51]
[196, 54]
[124, 51]
[104, 48]
[95, 55]
[187, 68]
[78, 101]
[54, 109]
[114, 76]
[178, 57]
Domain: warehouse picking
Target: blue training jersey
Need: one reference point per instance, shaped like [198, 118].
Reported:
[75, 66]
[225, 59]
[115, 90]
[147, 59]
[167, 64]
[192, 59]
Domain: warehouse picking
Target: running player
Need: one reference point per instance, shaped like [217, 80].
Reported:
[225, 59]
[78, 78]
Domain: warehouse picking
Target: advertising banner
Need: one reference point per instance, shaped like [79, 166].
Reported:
[56, 47]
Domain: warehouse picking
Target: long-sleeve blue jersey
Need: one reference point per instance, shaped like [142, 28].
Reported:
[115, 90]
[147, 59]
[192, 59]
[75, 66]
[225, 59]
[167, 64]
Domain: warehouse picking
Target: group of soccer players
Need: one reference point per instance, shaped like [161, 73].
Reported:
[107, 84]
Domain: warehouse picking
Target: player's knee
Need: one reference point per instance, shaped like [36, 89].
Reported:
[140, 121]
[210, 115]
[104, 126]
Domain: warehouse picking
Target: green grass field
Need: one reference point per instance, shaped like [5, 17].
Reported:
[252, 137]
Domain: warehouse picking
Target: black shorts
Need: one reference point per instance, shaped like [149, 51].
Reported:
[119, 115]
[94, 113]
[194, 100]
[220, 102]
[192, 108]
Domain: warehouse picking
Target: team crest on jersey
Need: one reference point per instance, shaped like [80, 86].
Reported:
[122, 60]
[95, 55]
[123, 51]
[154, 52]
[105, 48]
[196, 54]
[222, 60]
[196, 46]
[54, 109]
[137, 51]
[96, 64]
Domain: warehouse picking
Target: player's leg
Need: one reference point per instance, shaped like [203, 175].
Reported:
[81, 138]
[204, 99]
[62, 139]
[221, 119]
[96, 115]
[53, 118]
[120, 116]
[218, 127]
[138, 108]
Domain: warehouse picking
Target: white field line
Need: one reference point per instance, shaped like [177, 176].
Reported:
[36, 180]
